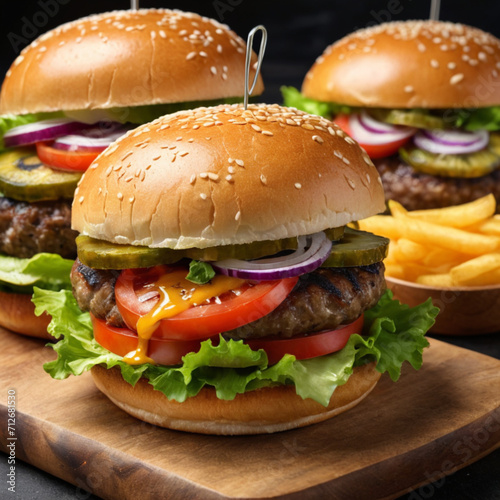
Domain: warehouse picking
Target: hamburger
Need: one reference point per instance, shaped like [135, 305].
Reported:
[423, 99]
[69, 95]
[218, 288]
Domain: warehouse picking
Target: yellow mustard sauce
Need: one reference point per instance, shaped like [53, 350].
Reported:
[176, 295]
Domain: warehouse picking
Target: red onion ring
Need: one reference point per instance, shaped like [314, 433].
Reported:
[367, 130]
[448, 142]
[95, 139]
[299, 262]
[45, 130]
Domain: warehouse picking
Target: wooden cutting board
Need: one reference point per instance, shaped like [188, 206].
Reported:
[403, 434]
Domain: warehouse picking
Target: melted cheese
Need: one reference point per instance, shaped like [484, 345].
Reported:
[176, 295]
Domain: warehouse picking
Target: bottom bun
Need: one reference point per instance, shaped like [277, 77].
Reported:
[266, 410]
[17, 314]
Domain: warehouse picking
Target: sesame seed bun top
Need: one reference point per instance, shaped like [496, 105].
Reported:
[127, 58]
[225, 175]
[427, 64]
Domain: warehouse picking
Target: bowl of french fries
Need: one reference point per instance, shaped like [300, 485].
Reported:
[451, 255]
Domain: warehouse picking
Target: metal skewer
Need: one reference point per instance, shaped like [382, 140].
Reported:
[435, 7]
[260, 57]
[134, 4]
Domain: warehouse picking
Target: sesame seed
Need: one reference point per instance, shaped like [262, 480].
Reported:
[346, 161]
[131, 199]
[263, 179]
[318, 139]
[203, 53]
[229, 177]
[213, 177]
[230, 160]
[120, 196]
[298, 185]
[190, 56]
[81, 199]
[204, 175]
[456, 78]
[266, 132]
[192, 179]
[349, 140]
[351, 183]
[203, 196]
[238, 215]
[213, 70]
[452, 65]
[434, 63]
[256, 127]
[408, 88]
[240, 163]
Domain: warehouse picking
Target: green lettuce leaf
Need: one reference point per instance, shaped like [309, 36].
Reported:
[393, 334]
[200, 272]
[142, 114]
[44, 270]
[294, 99]
[479, 119]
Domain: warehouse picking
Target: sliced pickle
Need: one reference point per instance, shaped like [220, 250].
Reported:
[466, 165]
[101, 254]
[409, 117]
[357, 248]
[23, 177]
[494, 143]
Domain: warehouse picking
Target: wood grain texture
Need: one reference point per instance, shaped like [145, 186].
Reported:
[403, 434]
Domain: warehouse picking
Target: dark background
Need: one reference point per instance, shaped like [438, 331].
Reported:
[299, 30]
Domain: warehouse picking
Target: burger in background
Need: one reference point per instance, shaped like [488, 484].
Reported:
[226, 293]
[67, 97]
[423, 99]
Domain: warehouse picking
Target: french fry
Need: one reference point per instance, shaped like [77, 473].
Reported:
[382, 225]
[427, 233]
[408, 251]
[392, 252]
[490, 226]
[443, 256]
[396, 208]
[489, 278]
[469, 271]
[395, 270]
[459, 215]
[446, 247]
[436, 280]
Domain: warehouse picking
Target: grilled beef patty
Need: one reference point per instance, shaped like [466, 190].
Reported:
[30, 228]
[323, 299]
[418, 191]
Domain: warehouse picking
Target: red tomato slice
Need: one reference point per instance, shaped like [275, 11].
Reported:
[307, 346]
[373, 151]
[121, 341]
[227, 312]
[65, 160]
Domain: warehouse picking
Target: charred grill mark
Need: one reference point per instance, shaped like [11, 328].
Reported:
[320, 281]
[90, 275]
